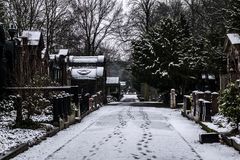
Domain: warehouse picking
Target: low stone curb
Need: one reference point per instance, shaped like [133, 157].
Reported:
[226, 140]
[88, 112]
[52, 132]
[223, 137]
[236, 145]
[230, 142]
[14, 152]
[23, 147]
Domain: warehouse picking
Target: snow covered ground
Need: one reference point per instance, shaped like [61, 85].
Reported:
[129, 98]
[124, 132]
[11, 138]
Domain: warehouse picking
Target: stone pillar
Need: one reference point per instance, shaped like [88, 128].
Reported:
[199, 110]
[55, 111]
[207, 96]
[186, 104]
[98, 99]
[215, 103]
[81, 108]
[194, 101]
[90, 103]
[94, 97]
[65, 107]
[206, 112]
[173, 99]
[74, 91]
[61, 107]
[68, 102]
[199, 96]
[101, 98]
[18, 107]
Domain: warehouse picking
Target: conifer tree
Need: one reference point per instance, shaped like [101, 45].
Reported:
[2, 12]
[233, 15]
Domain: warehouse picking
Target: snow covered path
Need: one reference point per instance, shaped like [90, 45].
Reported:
[123, 132]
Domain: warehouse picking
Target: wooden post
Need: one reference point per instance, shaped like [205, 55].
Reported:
[18, 107]
[55, 111]
[146, 92]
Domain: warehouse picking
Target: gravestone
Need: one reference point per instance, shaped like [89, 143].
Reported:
[214, 103]
[194, 100]
[206, 115]
[186, 104]
[199, 110]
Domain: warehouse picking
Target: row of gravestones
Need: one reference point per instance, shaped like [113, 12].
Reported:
[62, 105]
[201, 105]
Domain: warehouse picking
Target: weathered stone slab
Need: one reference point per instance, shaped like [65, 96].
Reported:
[208, 138]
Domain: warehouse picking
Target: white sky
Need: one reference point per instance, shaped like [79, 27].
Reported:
[121, 48]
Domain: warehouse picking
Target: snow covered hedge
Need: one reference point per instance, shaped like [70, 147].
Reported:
[229, 102]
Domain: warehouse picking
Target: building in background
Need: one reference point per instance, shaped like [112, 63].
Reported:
[58, 67]
[232, 53]
[88, 72]
[113, 87]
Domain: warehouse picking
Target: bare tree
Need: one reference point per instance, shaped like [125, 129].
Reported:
[208, 19]
[26, 14]
[96, 20]
[2, 12]
[138, 20]
[110, 52]
[176, 8]
[49, 16]
[56, 11]
[142, 14]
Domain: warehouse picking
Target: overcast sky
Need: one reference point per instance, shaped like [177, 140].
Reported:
[121, 48]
